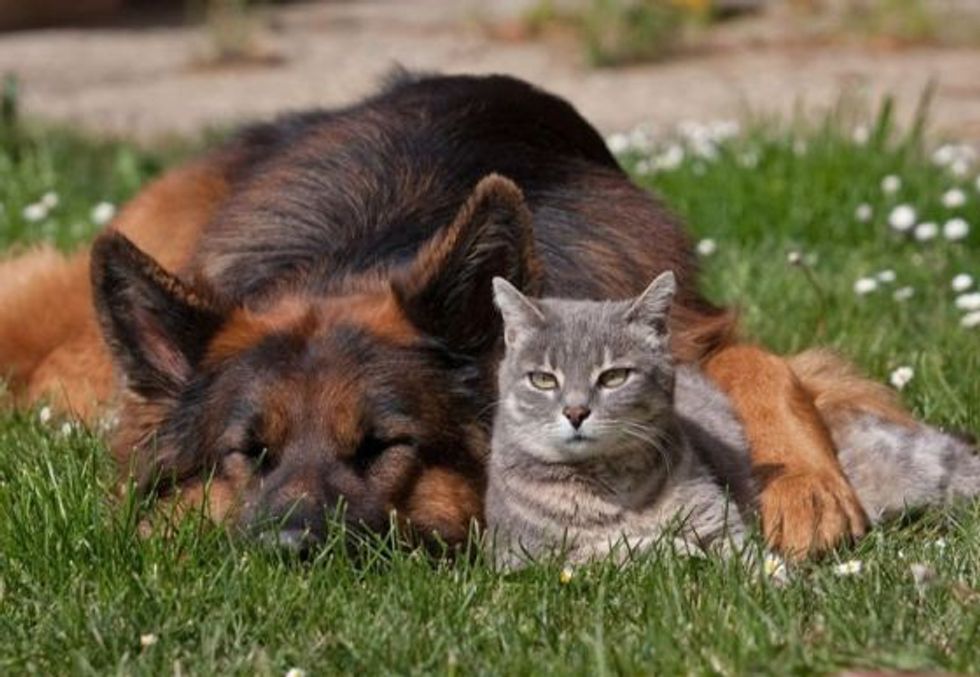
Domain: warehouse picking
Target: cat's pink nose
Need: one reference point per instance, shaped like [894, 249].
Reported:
[576, 415]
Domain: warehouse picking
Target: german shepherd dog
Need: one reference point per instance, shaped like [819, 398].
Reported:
[303, 316]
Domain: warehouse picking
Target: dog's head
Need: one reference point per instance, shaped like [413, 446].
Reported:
[375, 395]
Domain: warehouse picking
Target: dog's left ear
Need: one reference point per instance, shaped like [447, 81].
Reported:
[447, 292]
[156, 326]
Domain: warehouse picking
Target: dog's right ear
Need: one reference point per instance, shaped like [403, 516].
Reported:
[446, 290]
[157, 327]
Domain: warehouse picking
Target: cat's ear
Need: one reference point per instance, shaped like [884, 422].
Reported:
[520, 313]
[652, 307]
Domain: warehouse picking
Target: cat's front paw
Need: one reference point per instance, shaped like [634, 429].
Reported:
[809, 513]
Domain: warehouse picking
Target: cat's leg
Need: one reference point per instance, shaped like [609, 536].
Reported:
[805, 501]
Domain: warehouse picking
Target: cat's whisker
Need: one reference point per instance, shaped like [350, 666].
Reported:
[492, 406]
[655, 444]
[656, 437]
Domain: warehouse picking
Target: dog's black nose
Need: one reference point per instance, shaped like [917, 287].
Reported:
[576, 415]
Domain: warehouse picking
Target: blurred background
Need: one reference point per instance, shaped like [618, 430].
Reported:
[152, 68]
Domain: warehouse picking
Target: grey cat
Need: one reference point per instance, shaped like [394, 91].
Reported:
[601, 443]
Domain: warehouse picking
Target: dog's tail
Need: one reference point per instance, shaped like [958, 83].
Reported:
[841, 392]
[44, 300]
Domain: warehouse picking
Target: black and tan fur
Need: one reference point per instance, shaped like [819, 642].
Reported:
[306, 312]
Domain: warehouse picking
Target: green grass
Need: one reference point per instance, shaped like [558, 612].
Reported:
[78, 588]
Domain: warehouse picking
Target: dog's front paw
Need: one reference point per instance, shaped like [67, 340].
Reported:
[806, 514]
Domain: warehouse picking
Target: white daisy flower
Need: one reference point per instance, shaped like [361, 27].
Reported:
[956, 229]
[864, 212]
[707, 247]
[102, 213]
[969, 302]
[865, 285]
[723, 130]
[902, 218]
[849, 568]
[944, 155]
[961, 282]
[923, 575]
[794, 258]
[669, 159]
[295, 672]
[926, 231]
[44, 414]
[900, 377]
[774, 567]
[692, 129]
[970, 320]
[939, 543]
[148, 640]
[35, 212]
[956, 157]
[886, 276]
[891, 184]
[903, 293]
[953, 198]
[705, 149]
[618, 143]
[50, 199]
[749, 159]
[861, 134]
[639, 139]
[107, 423]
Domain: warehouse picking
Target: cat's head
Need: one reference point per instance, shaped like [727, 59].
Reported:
[585, 379]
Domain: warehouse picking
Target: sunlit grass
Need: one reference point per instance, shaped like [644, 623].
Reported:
[80, 593]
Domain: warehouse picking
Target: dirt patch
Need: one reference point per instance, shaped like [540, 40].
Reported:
[146, 81]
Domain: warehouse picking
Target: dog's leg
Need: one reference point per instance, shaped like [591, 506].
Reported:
[806, 503]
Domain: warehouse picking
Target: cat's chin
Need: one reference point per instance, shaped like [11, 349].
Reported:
[581, 448]
[582, 443]
[565, 451]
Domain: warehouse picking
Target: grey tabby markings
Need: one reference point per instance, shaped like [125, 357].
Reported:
[600, 443]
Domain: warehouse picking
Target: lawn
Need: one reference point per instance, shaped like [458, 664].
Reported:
[778, 212]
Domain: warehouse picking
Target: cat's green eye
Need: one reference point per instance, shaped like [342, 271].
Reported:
[613, 378]
[542, 380]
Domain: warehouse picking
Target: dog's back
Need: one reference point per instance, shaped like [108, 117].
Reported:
[330, 193]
